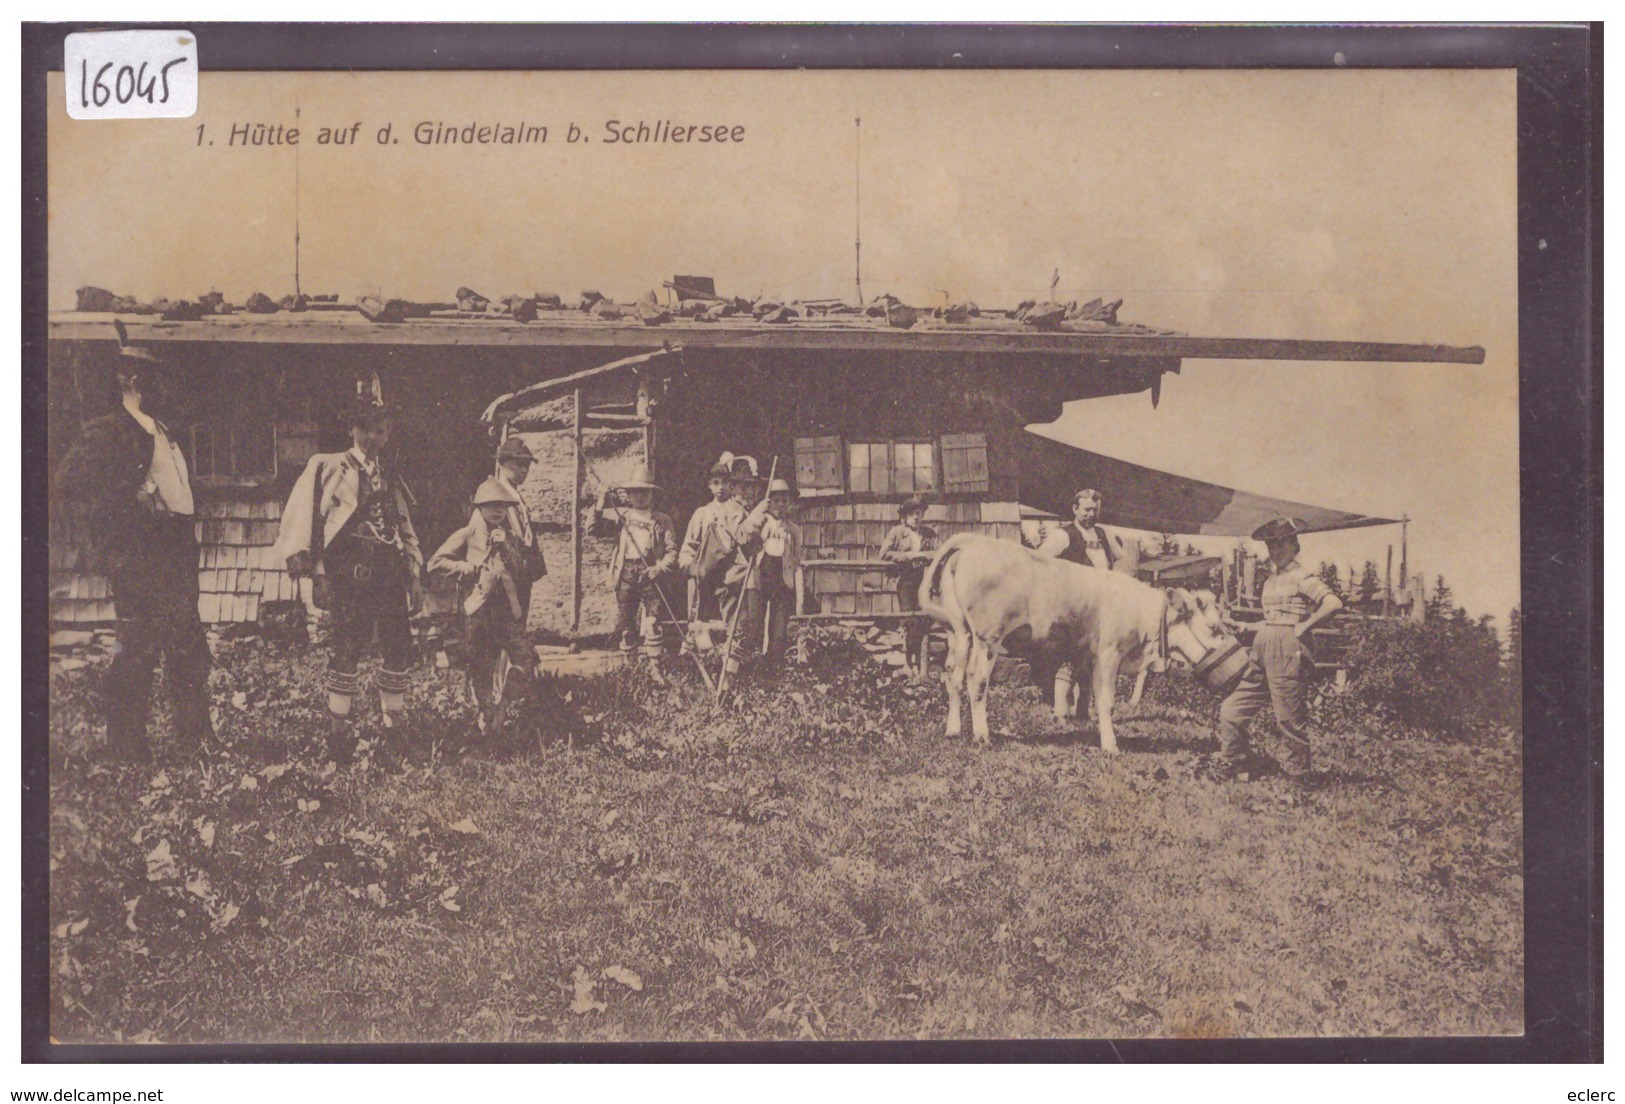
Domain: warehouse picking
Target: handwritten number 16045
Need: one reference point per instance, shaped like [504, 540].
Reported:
[129, 83]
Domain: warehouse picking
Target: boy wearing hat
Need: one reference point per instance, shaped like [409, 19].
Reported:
[524, 554]
[709, 543]
[748, 485]
[126, 481]
[488, 558]
[1294, 600]
[910, 544]
[348, 525]
[768, 591]
[645, 553]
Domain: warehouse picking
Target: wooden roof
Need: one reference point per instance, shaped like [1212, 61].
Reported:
[841, 332]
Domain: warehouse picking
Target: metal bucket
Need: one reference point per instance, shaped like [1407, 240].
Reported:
[1222, 667]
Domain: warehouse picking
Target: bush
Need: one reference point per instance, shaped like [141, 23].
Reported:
[1442, 676]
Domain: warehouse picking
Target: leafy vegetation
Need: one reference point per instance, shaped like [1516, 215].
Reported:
[1328, 575]
[1447, 676]
[1441, 677]
[820, 862]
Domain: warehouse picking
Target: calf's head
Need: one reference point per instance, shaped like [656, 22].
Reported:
[1194, 628]
[1197, 635]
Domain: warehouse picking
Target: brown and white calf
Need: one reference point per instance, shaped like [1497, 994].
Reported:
[984, 589]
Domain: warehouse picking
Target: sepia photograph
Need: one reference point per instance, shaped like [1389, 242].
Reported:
[733, 556]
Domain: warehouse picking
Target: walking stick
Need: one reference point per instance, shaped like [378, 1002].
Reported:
[698, 662]
[739, 607]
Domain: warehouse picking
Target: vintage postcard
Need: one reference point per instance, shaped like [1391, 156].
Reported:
[805, 555]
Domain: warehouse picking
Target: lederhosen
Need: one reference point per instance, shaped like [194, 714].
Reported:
[370, 578]
[764, 617]
[492, 629]
[637, 597]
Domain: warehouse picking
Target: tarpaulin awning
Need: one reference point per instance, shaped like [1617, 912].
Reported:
[1138, 497]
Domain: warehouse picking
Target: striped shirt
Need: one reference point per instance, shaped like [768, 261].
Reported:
[1292, 594]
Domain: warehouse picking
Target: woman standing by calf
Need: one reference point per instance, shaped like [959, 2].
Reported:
[1295, 600]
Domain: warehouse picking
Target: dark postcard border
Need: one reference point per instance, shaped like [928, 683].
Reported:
[1560, 355]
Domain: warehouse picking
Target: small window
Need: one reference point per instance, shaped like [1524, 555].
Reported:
[295, 444]
[254, 451]
[915, 465]
[230, 452]
[869, 466]
[203, 464]
[964, 463]
[892, 467]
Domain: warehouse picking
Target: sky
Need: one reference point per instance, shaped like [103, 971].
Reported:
[1346, 204]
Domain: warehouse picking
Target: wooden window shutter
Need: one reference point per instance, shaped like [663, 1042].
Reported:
[818, 465]
[964, 463]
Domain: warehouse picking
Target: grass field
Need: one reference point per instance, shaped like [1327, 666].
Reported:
[820, 863]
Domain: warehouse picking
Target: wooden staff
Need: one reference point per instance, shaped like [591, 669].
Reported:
[739, 607]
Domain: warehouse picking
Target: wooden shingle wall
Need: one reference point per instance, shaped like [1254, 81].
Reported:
[237, 568]
[76, 596]
[856, 530]
[238, 503]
